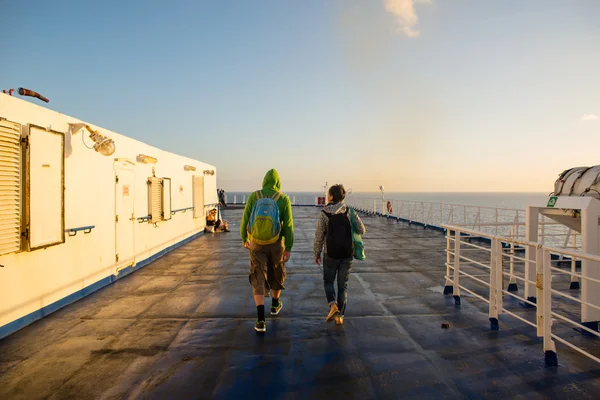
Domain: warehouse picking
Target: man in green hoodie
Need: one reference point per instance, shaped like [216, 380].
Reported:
[267, 260]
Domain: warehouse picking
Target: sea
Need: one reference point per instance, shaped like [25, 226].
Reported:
[513, 200]
[494, 213]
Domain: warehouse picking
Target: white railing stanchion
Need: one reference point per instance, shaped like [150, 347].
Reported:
[493, 302]
[448, 288]
[512, 281]
[531, 235]
[456, 280]
[235, 199]
[590, 271]
[540, 257]
[549, 347]
[499, 281]
[539, 287]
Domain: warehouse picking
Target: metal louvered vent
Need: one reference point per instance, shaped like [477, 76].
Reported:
[10, 187]
[155, 198]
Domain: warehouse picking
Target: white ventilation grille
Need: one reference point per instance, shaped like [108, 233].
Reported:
[155, 199]
[10, 187]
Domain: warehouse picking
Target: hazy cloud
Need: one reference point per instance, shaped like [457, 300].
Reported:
[589, 117]
[404, 11]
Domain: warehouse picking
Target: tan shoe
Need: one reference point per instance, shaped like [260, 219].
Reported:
[339, 320]
[333, 312]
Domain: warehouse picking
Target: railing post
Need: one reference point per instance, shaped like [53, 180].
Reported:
[499, 279]
[244, 200]
[512, 281]
[441, 214]
[492, 309]
[235, 199]
[294, 200]
[448, 288]
[549, 347]
[531, 235]
[456, 280]
[590, 290]
[539, 289]
[574, 280]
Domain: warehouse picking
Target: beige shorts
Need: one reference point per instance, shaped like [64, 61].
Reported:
[267, 269]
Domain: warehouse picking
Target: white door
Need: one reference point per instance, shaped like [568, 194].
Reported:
[46, 214]
[125, 216]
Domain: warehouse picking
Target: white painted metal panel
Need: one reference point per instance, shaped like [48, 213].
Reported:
[198, 195]
[166, 198]
[10, 187]
[155, 199]
[46, 188]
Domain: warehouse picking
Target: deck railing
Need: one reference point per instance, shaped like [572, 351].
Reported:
[297, 200]
[498, 221]
[480, 271]
[507, 222]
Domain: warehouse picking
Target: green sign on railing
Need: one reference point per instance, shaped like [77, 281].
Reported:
[552, 201]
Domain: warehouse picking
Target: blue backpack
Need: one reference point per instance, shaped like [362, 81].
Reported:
[264, 226]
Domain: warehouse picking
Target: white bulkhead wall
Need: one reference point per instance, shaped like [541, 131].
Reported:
[32, 280]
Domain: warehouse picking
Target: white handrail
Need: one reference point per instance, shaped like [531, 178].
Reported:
[542, 260]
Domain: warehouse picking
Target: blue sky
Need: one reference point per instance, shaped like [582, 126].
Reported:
[439, 95]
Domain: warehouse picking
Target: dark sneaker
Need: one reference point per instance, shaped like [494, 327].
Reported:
[275, 310]
[260, 326]
[333, 312]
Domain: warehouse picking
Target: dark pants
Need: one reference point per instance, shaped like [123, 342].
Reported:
[341, 268]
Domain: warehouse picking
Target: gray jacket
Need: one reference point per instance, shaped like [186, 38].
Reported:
[321, 233]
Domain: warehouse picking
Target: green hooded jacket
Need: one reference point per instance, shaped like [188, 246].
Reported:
[270, 185]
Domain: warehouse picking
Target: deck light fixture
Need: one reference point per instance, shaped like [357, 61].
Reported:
[102, 144]
[189, 168]
[209, 172]
[142, 158]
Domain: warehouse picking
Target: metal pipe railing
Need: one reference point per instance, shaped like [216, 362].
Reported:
[541, 258]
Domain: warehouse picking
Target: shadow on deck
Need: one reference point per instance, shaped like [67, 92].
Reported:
[182, 327]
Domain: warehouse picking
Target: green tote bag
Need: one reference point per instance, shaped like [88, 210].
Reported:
[359, 248]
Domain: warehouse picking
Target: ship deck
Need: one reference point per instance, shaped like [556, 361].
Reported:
[182, 327]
